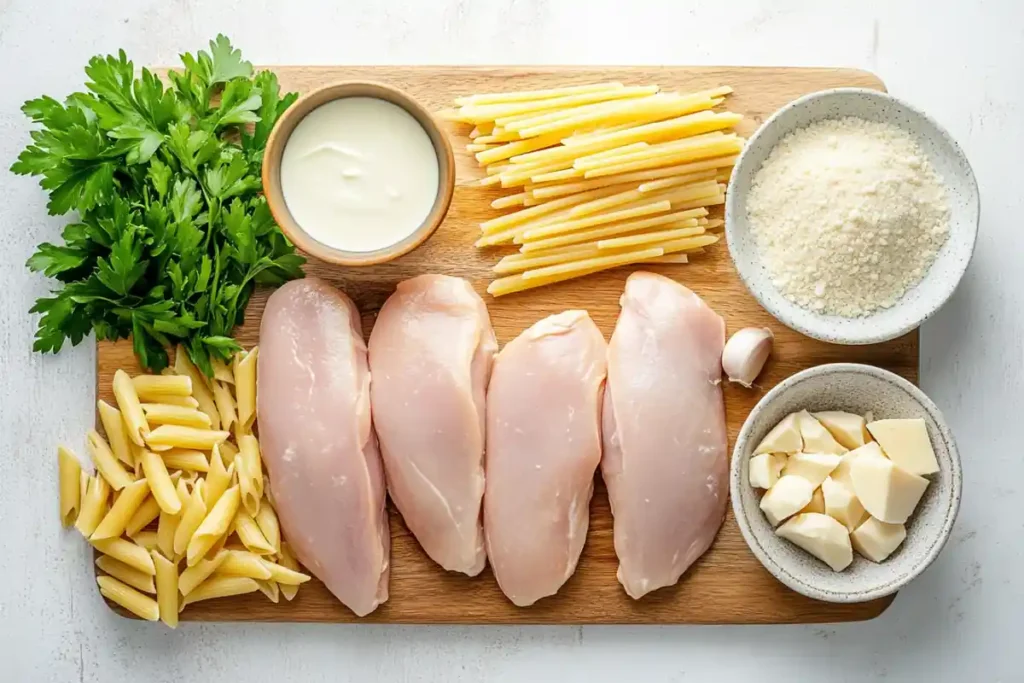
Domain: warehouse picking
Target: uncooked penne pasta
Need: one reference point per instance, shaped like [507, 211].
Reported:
[185, 459]
[244, 563]
[167, 527]
[270, 589]
[248, 467]
[158, 385]
[167, 400]
[132, 600]
[214, 525]
[220, 587]
[117, 435]
[129, 575]
[218, 479]
[94, 506]
[106, 464]
[270, 527]
[221, 372]
[130, 407]
[116, 520]
[166, 414]
[225, 405]
[250, 535]
[131, 554]
[198, 573]
[176, 436]
[166, 588]
[192, 516]
[160, 482]
[201, 392]
[144, 515]
[146, 538]
[287, 560]
[245, 387]
[283, 575]
[228, 451]
[69, 477]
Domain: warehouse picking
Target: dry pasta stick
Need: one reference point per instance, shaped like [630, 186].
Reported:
[528, 95]
[589, 239]
[94, 506]
[166, 589]
[252, 489]
[474, 147]
[591, 263]
[647, 209]
[250, 535]
[620, 112]
[517, 176]
[724, 146]
[167, 526]
[664, 149]
[195, 575]
[176, 436]
[512, 149]
[131, 409]
[647, 238]
[287, 560]
[284, 575]
[147, 539]
[502, 114]
[69, 476]
[144, 515]
[669, 258]
[270, 589]
[245, 387]
[225, 404]
[509, 201]
[127, 552]
[201, 392]
[117, 518]
[601, 109]
[117, 436]
[166, 414]
[160, 482]
[221, 372]
[516, 283]
[185, 459]
[688, 243]
[509, 220]
[132, 600]
[128, 575]
[191, 517]
[547, 192]
[243, 563]
[220, 587]
[678, 219]
[147, 386]
[218, 478]
[214, 525]
[270, 526]
[106, 464]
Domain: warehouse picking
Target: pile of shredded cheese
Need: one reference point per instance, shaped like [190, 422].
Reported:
[848, 215]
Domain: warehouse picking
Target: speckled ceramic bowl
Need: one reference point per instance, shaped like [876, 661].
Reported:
[946, 158]
[858, 389]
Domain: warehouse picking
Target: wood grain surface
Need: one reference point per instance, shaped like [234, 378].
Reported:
[727, 585]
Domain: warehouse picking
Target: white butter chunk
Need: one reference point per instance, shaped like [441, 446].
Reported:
[813, 467]
[848, 429]
[821, 536]
[816, 438]
[886, 490]
[906, 443]
[765, 469]
[877, 540]
[786, 498]
[783, 438]
[841, 504]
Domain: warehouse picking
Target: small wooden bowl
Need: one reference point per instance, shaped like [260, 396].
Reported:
[272, 172]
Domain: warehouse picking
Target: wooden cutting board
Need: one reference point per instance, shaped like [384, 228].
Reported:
[727, 585]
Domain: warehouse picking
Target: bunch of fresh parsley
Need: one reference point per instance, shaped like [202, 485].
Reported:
[173, 233]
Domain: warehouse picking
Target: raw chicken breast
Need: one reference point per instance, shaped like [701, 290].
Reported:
[543, 447]
[664, 460]
[313, 408]
[431, 351]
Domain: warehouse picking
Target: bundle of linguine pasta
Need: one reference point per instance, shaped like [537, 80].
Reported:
[178, 507]
[604, 175]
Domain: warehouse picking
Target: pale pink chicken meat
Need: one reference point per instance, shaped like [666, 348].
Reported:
[543, 447]
[313, 408]
[664, 462]
[431, 351]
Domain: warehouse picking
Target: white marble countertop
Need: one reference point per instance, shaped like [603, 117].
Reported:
[960, 61]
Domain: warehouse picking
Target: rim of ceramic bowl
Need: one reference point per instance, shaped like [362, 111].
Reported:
[739, 459]
[294, 115]
[735, 207]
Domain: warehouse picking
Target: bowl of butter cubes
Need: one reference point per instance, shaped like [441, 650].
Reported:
[845, 482]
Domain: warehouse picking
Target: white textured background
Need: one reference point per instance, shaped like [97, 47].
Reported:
[961, 61]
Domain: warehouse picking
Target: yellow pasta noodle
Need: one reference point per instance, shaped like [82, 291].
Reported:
[167, 526]
[244, 367]
[270, 589]
[214, 525]
[144, 515]
[130, 407]
[116, 520]
[132, 600]
[284, 575]
[287, 560]
[191, 517]
[221, 372]
[248, 467]
[200, 392]
[166, 588]
[218, 479]
[146, 538]
[185, 459]
[225, 404]
[106, 464]
[220, 587]
[160, 482]
[244, 563]
[167, 400]
[176, 436]
[94, 506]
[117, 435]
[127, 552]
[193, 576]
[69, 475]
[250, 535]
[167, 414]
[270, 526]
[128, 575]
[147, 386]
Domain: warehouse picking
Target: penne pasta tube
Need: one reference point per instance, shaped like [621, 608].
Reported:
[192, 516]
[117, 434]
[250, 535]
[176, 436]
[228, 451]
[167, 400]
[166, 414]
[200, 392]
[132, 600]
[130, 407]
[220, 587]
[287, 560]
[167, 526]
[270, 589]
[69, 477]
[106, 464]
[244, 563]
[160, 483]
[127, 552]
[147, 386]
[146, 538]
[117, 518]
[270, 526]
[94, 506]
[250, 472]
[284, 575]
[128, 575]
[225, 404]
[144, 515]
[166, 588]
[221, 372]
[214, 525]
[245, 387]
[185, 459]
[218, 479]
[193, 576]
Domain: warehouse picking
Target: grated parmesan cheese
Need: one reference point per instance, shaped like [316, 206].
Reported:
[847, 215]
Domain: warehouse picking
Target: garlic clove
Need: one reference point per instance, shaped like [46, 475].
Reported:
[745, 354]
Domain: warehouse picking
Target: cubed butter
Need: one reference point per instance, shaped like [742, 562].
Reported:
[817, 503]
[813, 467]
[815, 437]
[786, 498]
[821, 536]
[765, 469]
[906, 443]
[847, 428]
[841, 504]
[886, 490]
[877, 540]
[783, 438]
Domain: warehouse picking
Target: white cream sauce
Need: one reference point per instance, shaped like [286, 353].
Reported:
[359, 174]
